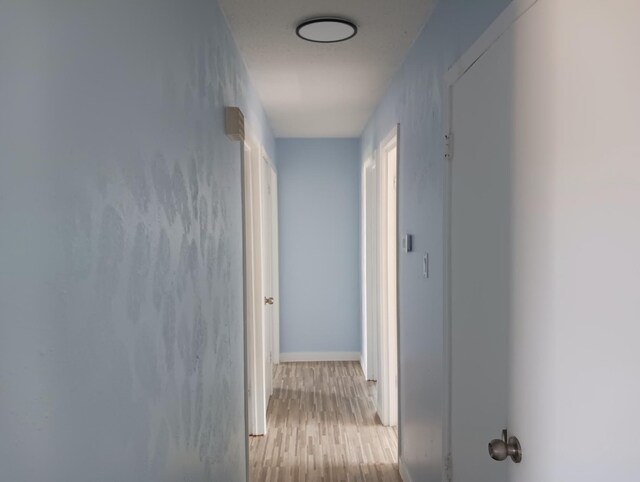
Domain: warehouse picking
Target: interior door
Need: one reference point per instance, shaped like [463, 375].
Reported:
[480, 264]
[269, 246]
[371, 273]
[544, 237]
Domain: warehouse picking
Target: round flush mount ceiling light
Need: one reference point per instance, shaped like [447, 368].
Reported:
[326, 30]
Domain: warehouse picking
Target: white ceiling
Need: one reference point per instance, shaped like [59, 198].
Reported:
[323, 90]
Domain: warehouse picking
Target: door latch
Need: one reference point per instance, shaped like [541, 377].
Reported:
[500, 449]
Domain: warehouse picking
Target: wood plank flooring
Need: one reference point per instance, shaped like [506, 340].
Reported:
[322, 427]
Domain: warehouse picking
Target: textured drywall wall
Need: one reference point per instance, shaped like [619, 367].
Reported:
[319, 229]
[414, 99]
[121, 331]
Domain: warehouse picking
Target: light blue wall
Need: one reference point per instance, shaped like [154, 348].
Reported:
[415, 100]
[319, 216]
[121, 330]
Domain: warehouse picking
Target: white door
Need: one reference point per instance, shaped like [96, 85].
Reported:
[269, 272]
[544, 245]
[370, 258]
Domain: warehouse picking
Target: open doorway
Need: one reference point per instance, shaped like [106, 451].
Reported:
[261, 280]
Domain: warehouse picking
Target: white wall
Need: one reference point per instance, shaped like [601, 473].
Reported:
[121, 331]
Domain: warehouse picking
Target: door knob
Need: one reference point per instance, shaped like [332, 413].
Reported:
[269, 301]
[500, 449]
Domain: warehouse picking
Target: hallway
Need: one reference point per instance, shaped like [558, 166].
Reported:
[322, 426]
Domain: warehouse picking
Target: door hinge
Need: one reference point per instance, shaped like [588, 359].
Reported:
[395, 182]
[448, 146]
[448, 468]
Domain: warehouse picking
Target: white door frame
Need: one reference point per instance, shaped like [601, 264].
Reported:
[501, 24]
[388, 376]
[369, 201]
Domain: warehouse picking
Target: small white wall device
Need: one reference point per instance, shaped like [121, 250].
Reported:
[407, 243]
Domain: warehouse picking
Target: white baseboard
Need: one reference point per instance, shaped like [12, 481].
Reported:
[404, 471]
[319, 356]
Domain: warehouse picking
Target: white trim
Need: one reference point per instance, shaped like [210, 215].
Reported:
[319, 356]
[499, 27]
[245, 327]
[404, 471]
[364, 357]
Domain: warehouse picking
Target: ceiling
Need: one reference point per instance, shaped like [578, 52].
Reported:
[323, 90]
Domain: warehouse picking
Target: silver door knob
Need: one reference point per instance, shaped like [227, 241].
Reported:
[269, 301]
[500, 449]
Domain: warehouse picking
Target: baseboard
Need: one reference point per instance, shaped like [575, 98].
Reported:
[319, 356]
[404, 471]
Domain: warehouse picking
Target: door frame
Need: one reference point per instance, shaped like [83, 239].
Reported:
[253, 284]
[388, 389]
[369, 263]
[500, 25]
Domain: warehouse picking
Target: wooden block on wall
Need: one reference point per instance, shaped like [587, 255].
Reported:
[234, 123]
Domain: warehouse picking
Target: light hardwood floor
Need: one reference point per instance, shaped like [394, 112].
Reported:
[322, 427]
